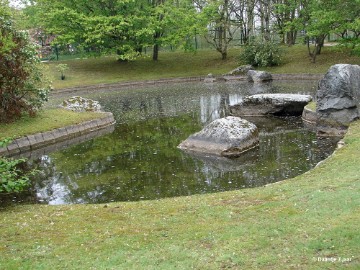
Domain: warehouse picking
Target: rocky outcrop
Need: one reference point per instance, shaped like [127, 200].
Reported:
[80, 104]
[338, 98]
[259, 76]
[274, 104]
[227, 137]
[241, 70]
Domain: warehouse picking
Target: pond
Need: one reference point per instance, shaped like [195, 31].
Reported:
[140, 160]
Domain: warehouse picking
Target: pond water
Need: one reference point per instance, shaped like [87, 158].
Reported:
[139, 160]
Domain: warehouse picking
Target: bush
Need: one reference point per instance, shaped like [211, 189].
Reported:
[22, 85]
[14, 177]
[261, 53]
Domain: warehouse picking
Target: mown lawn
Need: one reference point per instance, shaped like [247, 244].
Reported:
[180, 64]
[309, 222]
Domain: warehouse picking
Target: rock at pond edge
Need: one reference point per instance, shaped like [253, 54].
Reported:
[271, 104]
[80, 104]
[338, 99]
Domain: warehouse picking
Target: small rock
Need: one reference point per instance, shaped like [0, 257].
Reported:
[210, 78]
[259, 76]
[241, 70]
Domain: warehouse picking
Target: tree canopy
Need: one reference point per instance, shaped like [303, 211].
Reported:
[126, 27]
[123, 26]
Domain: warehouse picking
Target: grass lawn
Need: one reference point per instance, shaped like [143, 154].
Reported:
[180, 64]
[45, 120]
[300, 223]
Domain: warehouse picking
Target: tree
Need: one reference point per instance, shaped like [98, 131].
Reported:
[218, 17]
[23, 87]
[330, 17]
[289, 15]
[124, 27]
[245, 15]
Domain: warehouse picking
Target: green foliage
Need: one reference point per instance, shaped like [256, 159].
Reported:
[62, 68]
[13, 174]
[261, 53]
[123, 27]
[351, 43]
[22, 85]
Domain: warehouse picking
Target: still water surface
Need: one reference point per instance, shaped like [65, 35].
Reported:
[139, 160]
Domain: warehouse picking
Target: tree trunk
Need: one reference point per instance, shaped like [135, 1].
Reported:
[156, 47]
[155, 52]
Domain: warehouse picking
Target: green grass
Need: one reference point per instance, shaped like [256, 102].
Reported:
[311, 106]
[45, 120]
[296, 60]
[170, 65]
[180, 64]
[288, 225]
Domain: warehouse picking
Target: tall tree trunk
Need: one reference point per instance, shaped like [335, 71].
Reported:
[250, 19]
[155, 56]
[156, 46]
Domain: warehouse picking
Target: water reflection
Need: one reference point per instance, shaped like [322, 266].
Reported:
[140, 159]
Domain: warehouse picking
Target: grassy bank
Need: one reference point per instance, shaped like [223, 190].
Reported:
[45, 120]
[180, 64]
[300, 223]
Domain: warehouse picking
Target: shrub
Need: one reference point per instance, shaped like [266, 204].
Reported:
[261, 53]
[22, 85]
[14, 177]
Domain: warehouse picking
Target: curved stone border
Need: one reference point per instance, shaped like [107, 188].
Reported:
[39, 140]
[309, 115]
[105, 86]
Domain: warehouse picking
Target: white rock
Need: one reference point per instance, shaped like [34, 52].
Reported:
[228, 137]
[80, 104]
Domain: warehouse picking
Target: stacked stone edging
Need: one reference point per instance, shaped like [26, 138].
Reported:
[108, 86]
[309, 115]
[39, 140]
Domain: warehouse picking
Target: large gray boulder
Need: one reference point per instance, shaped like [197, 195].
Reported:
[259, 76]
[227, 137]
[338, 99]
[80, 104]
[271, 104]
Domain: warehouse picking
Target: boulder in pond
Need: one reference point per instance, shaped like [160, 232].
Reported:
[229, 137]
[338, 99]
[259, 76]
[80, 104]
[271, 104]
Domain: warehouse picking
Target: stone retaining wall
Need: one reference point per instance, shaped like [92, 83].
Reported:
[40, 140]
